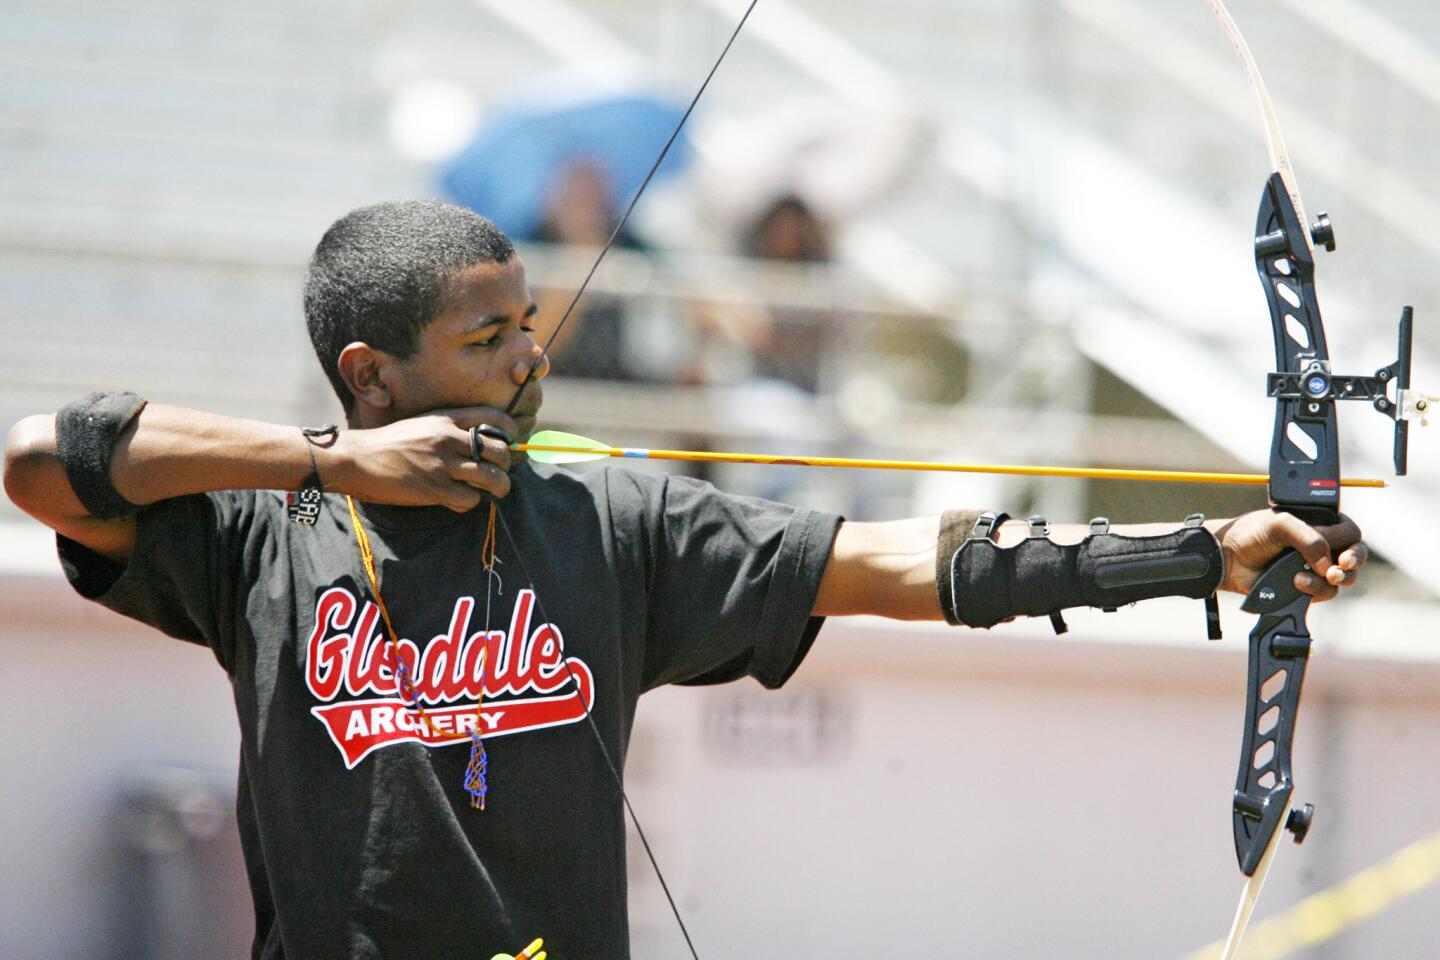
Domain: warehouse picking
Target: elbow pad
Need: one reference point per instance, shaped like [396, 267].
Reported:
[86, 433]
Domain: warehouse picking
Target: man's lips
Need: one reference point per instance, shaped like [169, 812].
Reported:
[527, 412]
[524, 424]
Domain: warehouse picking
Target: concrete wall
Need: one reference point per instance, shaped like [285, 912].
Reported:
[955, 793]
[116, 808]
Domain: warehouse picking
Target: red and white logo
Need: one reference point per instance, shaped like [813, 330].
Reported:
[348, 667]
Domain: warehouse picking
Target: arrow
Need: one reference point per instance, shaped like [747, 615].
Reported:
[557, 446]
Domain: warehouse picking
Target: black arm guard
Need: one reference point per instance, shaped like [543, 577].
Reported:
[1038, 577]
[86, 432]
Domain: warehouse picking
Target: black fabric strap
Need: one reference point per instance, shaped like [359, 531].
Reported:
[1038, 577]
[86, 433]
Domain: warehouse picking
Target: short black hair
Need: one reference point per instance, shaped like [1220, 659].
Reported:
[381, 273]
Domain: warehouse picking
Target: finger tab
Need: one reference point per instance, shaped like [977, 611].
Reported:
[494, 433]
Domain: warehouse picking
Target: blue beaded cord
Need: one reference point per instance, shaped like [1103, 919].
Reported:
[477, 783]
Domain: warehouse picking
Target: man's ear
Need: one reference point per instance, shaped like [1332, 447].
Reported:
[363, 369]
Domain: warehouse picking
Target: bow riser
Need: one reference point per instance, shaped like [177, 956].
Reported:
[1305, 482]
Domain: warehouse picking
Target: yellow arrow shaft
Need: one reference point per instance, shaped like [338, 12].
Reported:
[1096, 473]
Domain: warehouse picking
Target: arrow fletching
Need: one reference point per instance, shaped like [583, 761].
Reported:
[579, 449]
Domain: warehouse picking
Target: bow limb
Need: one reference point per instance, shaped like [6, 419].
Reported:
[1248, 898]
[1279, 156]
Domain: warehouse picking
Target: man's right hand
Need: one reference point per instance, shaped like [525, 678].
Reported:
[422, 461]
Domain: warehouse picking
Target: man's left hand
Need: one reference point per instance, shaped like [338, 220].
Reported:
[1250, 543]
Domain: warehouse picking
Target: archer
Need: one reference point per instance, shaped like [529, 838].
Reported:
[371, 552]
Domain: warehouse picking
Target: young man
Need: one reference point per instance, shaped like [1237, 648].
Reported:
[358, 788]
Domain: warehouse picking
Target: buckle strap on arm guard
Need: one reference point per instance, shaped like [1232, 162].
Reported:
[1038, 577]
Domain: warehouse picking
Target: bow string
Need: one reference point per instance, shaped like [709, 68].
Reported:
[610, 762]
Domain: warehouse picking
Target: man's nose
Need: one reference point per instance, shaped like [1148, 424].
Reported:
[534, 367]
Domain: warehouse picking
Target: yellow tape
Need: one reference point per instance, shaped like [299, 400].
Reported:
[1331, 911]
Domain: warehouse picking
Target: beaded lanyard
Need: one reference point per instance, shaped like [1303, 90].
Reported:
[476, 783]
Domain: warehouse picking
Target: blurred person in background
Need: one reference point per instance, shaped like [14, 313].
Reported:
[788, 230]
[793, 345]
[359, 688]
[579, 211]
[776, 345]
[765, 364]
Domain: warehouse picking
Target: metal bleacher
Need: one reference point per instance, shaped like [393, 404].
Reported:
[1080, 225]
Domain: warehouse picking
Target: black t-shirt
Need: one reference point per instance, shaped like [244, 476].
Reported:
[359, 838]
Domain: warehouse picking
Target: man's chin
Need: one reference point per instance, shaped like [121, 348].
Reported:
[524, 430]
